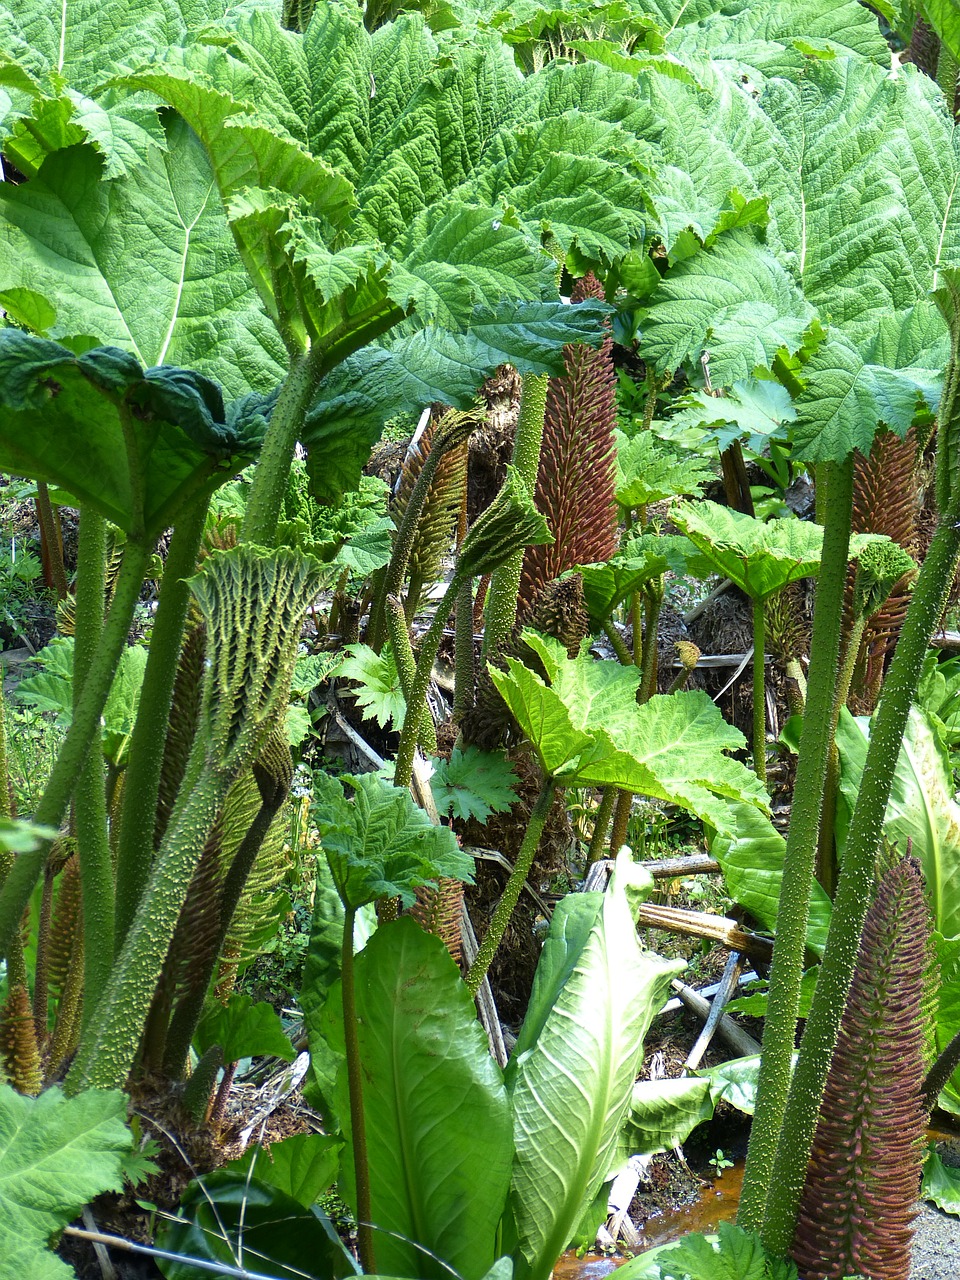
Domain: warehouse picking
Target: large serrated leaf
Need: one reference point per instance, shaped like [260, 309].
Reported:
[56, 1154]
[438, 1121]
[150, 261]
[567, 1121]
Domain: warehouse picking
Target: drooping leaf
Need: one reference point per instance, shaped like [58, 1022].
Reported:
[607, 585]
[663, 1113]
[430, 365]
[243, 1029]
[473, 784]
[760, 557]
[566, 1122]
[187, 438]
[941, 1184]
[381, 844]
[226, 1212]
[302, 1166]
[56, 1154]
[436, 1109]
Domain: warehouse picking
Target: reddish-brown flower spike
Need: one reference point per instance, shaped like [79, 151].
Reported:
[856, 1216]
[575, 483]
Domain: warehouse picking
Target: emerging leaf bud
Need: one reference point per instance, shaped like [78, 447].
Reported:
[509, 524]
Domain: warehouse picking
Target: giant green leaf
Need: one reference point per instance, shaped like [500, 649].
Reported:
[149, 259]
[56, 1154]
[302, 1166]
[438, 1123]
[572, 1088]
[759, 557]
[649, 470]
[735, 302]
[142, 442]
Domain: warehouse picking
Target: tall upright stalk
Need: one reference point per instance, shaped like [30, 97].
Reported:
[793, 912]
[500, 610]
[84, 728]
[856, 878]
[759, 693]
[90, 802]
[417, 702]
[135, 847]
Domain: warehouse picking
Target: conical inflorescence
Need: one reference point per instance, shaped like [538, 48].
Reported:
[856, 1216]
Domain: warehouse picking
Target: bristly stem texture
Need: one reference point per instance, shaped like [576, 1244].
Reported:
[501, 604]
[135, 849]
[759, 693]
[793, 913]
[90, 802]
[84, 728]
[511, 894]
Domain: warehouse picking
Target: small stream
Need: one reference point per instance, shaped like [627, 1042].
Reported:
[717, 1204]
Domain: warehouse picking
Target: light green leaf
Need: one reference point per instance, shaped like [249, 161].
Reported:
[735, 302]
[473, 784]
[607, 585]
[941, 1184]
[302, 1166]
[380, 694]
[381, 844]
[567, 1121]
[150, 261]
[438, 1121]
[56, 1154]
[752, 408]
[649, 470]
[750, 851]
[759, 557]
[243, 1029]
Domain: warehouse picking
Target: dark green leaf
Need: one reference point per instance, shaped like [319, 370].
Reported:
[243, 1029]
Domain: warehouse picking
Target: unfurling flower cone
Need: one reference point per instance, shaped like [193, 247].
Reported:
[856, 1216]
[575, 482]
[19, 1053]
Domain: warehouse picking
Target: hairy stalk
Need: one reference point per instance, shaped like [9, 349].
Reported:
[501, 603]
[941, 1071]
[826, 865]
[90, 800]
[621, 822]
[511, 894]
[601, 825]
[358, 1123]
[186, 1016]
[135, 847]
[652, 603]
[856, 878]
[84, 729]
[51, 542]
[417, 702]
[113, 1033]
[407, 670]
[465, 674]
[793, 912]
[41, 968]
[619, 648]
[276, 456]
[759, 693]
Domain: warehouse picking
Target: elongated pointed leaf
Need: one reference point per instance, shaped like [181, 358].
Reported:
[572, 1090]
[438, 1122]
